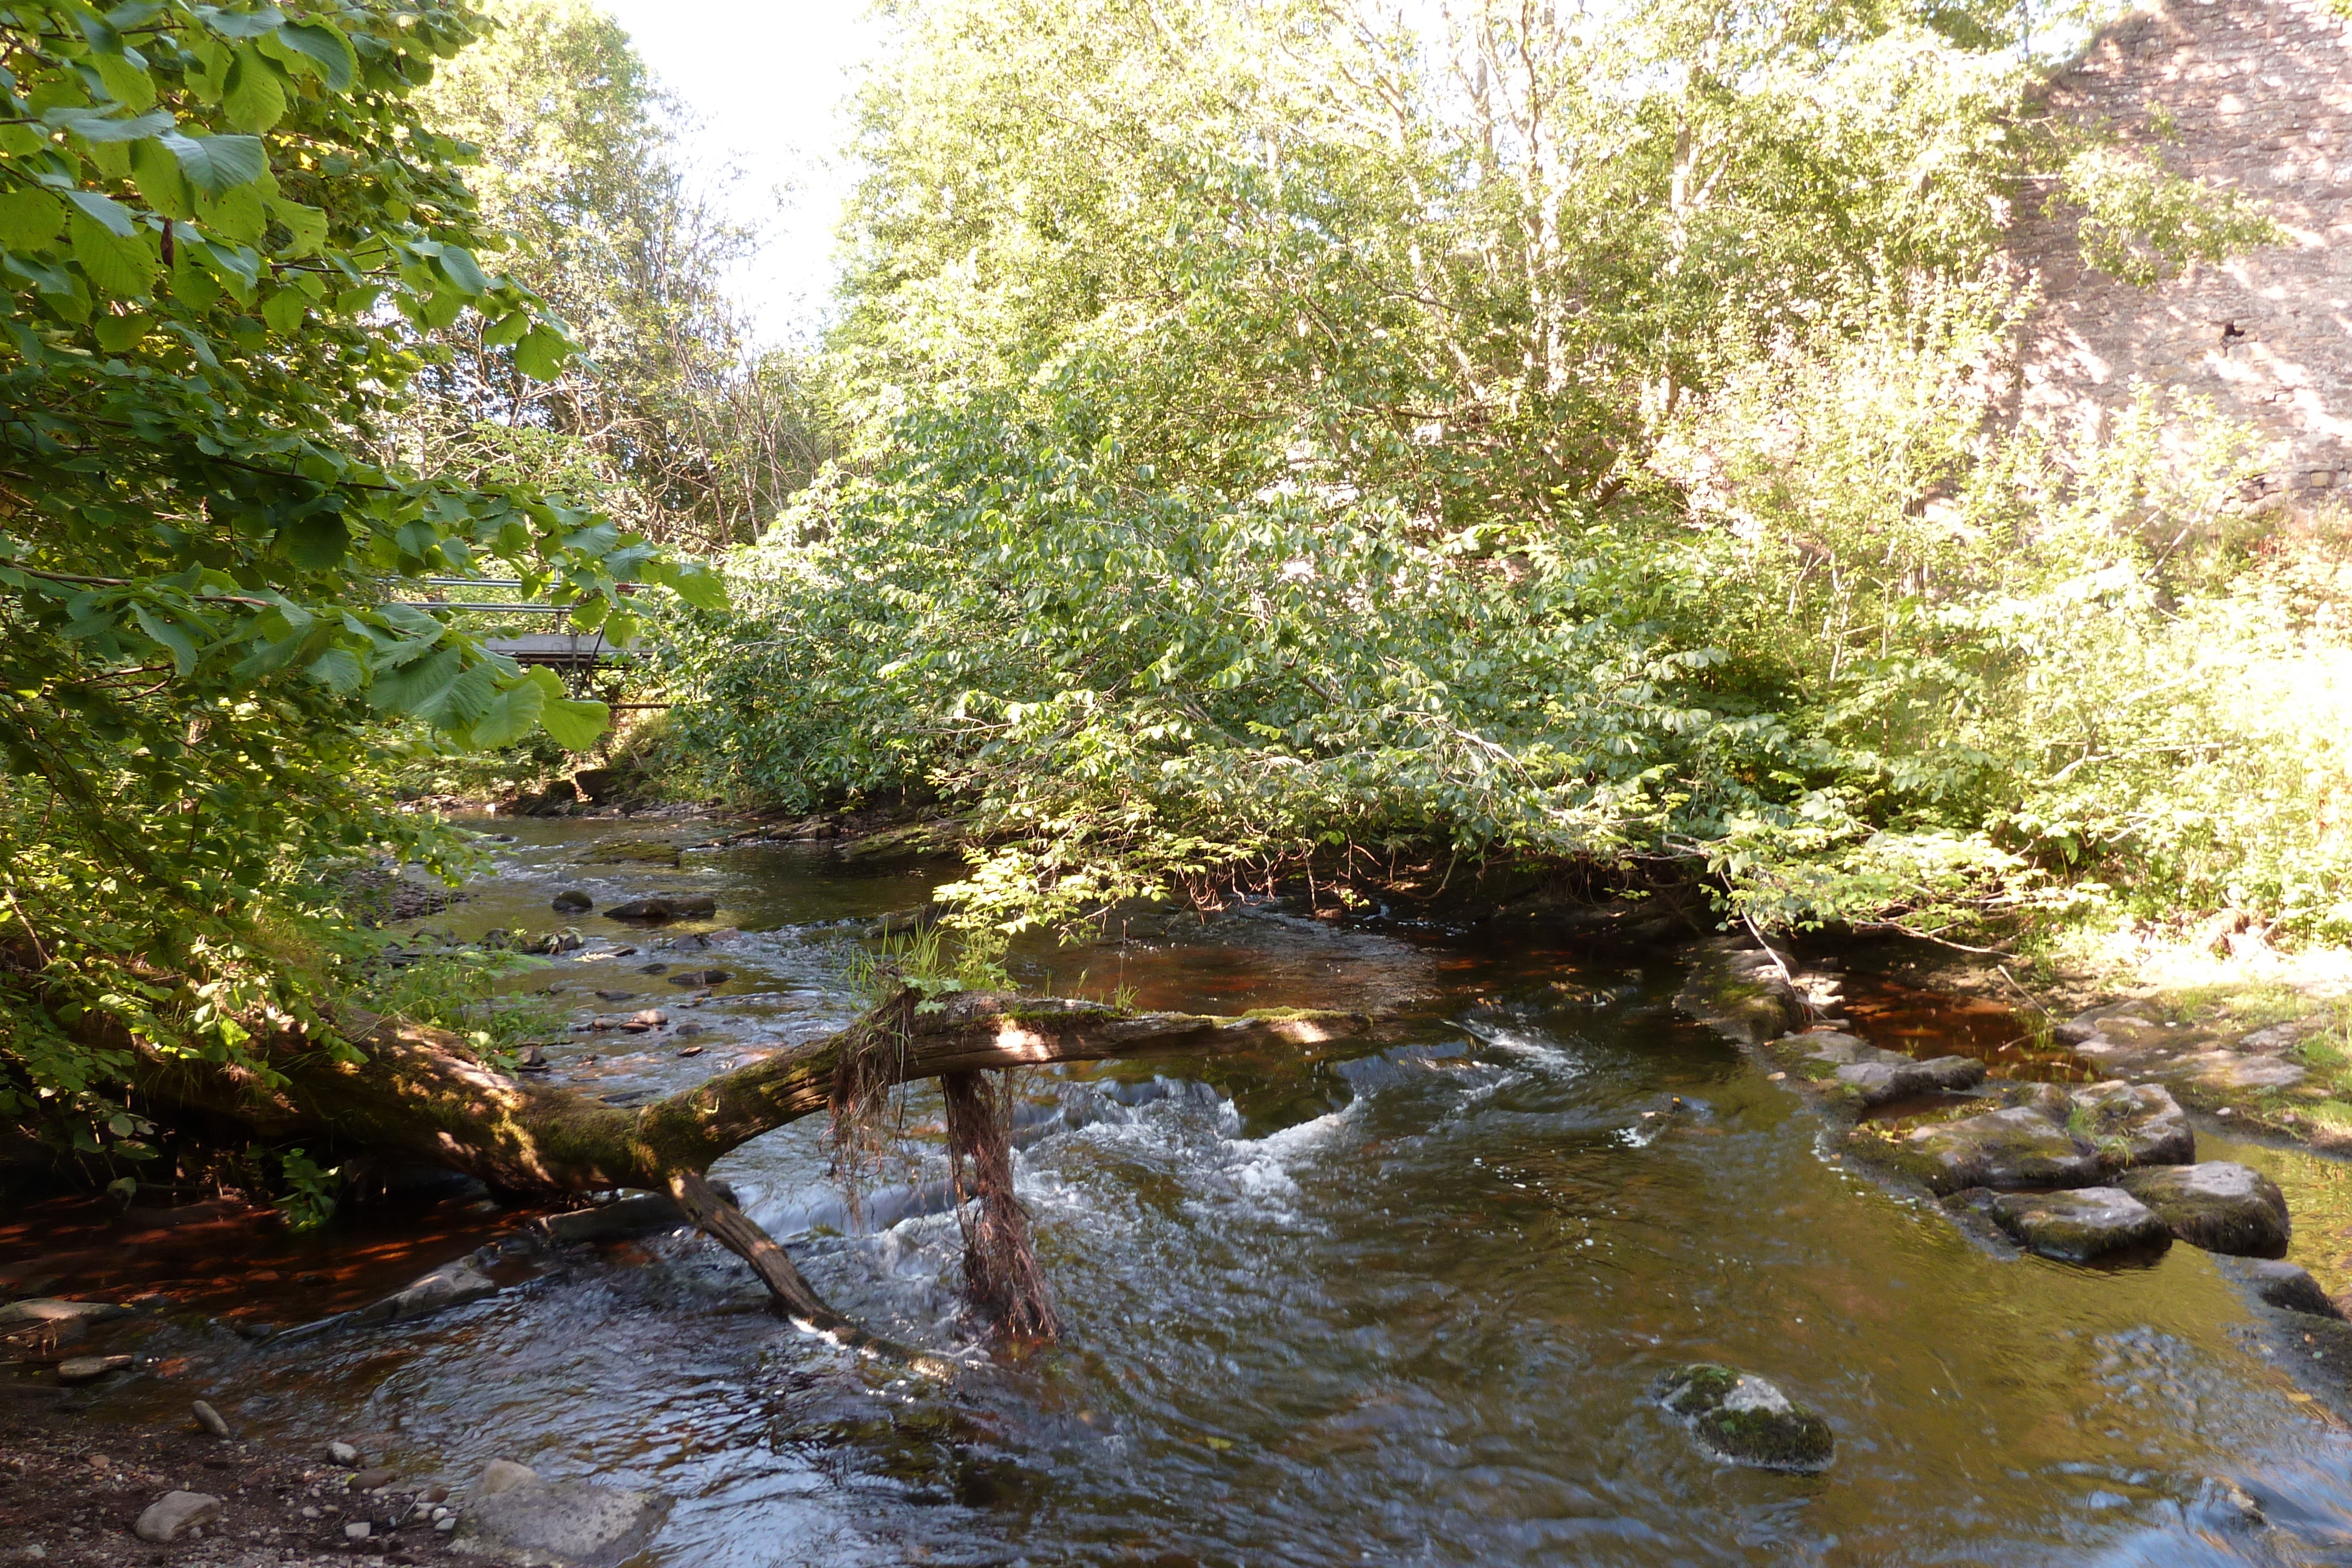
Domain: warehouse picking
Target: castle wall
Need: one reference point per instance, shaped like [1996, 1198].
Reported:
[2259, 92]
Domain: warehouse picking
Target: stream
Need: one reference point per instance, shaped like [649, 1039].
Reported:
[1399, 1301]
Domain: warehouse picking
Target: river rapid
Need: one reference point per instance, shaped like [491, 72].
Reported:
[1397, 1301]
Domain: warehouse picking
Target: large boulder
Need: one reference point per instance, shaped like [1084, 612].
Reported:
[2048, 1137]
[2220, 1206]
[519, 1518]
[1740, 992]
[1743, 1418]
[2080, 1224]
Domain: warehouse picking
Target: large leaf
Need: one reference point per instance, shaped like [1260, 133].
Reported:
[118, 268]
[325, 45]
[30, 219]
[307, 225]
[182, 647]
[542, 354]
[218, 163]
[98, 127]
[256, 98]
[513, 714]
[574, 726]
[231, 23]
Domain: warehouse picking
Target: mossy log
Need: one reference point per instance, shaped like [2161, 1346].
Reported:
[424, 1093]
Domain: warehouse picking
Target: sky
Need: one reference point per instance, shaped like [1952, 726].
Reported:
[767, 80]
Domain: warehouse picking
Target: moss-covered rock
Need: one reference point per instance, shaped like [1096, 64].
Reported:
[2080, 1224]
[1740, 992]
[2022, 1146]
[1743, 1418]
[2220, 1206]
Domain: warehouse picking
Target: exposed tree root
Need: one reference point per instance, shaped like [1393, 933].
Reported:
[423, 1094]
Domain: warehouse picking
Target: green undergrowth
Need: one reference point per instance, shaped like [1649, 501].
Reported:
[462, 991]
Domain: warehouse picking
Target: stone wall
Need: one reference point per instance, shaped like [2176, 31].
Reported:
[2260, 93]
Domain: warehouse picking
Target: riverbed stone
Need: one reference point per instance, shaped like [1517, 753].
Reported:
[2288, 1286]
[702, 978]
[174, 1514]
[209, 1419]
[2079, 1224]
[1872, 1076]
[572, 900]
[1742, 992]
[90, 1368]
[673, 907]
[50, 1310]
[2019, 1146]
[1746, 1419]
[499, 1475]
[2220, 1206]
[555, 1524]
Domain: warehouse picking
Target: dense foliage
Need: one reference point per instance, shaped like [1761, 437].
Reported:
[1294, 438]
[225, 231]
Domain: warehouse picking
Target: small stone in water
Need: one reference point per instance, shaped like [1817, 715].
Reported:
[445, 1523]
[689, 1050]
[210, 1419]
[653, 968]
[702, 978]
[368, 1480]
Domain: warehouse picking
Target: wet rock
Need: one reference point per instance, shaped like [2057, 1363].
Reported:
[343, 1453]
[702, 978]
[2223, 1072]
[174, 1514]
[2080, 1224]
[572, 900]
[1746, 1419]
[90, 1368]
[50, 1310]
[518, 1517]
[533, 1059]
[690, 1027]
[1870, 1076]
[209, 1419]
[2288, 1286]
[1740, 992]
[2220, 1206]
[2022, 1146]
[677, 906]
[649, 1018]
[690, 1050]
[2049, 1137]
[368, 1480]
[450, 1285]
[654, 970]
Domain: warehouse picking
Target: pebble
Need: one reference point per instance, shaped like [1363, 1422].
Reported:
[89, 1368]
[310, 1511]
[209, 1419]
[690, 1050]
[368, 1480]
[174, 1513]
[357, 1530]
[445, 1523]
[343, 1453]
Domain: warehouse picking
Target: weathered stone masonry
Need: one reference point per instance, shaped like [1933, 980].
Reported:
[2259, 92]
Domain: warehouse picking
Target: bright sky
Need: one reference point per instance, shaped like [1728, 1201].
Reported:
[768, 80]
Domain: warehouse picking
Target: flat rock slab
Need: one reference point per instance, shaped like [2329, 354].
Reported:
[175, 1513]
[560, 1524]
[2220, 1206]
[2079, 1225]
[49, 1310]
[2048, 1137]
[450, 1285]
[1746, 1420]
[677, 906]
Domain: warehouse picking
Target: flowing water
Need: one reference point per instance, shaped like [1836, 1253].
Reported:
[1399, 1301]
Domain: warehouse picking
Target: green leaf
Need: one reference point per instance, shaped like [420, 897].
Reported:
[105, 210]
[513, 714]
[160, 180]
[126, 83]
[118, 267]
[506, 329]
[307, 225]
[542, 354]
[338, 670]
[183, 646]
[284, 312]
[231, 23]
[116, 333]
[700, 586]
[418, 684]
[216, 163]
[574, 726]
[95, 126]
[255, 99]
[457, 265]
[325, 45]
[316, 543]
[29, 219]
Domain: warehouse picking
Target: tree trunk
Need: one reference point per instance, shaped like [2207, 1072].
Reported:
[421, 1092]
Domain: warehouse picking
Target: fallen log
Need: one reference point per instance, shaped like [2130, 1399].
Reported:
[423, 1094]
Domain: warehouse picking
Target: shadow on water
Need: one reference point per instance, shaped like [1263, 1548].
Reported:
[1397, 1303]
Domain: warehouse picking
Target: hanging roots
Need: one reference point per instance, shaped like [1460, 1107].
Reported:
[1001, 1280]
[861, 1130]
